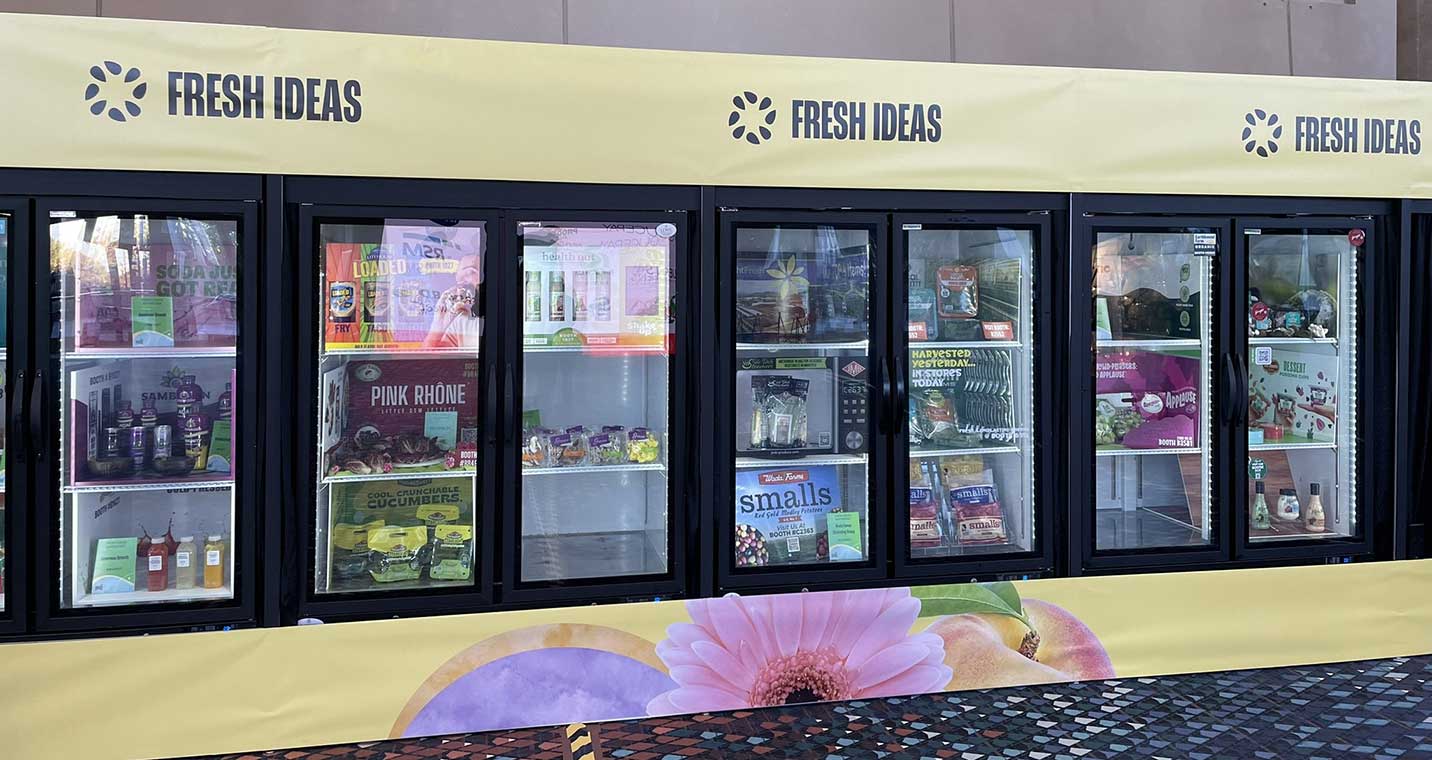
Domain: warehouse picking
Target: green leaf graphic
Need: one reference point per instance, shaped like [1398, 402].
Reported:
[959, 599]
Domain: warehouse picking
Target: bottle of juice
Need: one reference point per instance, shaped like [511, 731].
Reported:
[158, 557]
[1260, 517]
[189, 396]
[226, 402]
[186, 563]
[214, 551]
[124, 418]
[148, 414]
[196, 440]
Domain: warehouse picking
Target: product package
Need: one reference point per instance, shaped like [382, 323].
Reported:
[778, 412]
[925, 531]
[451, 553]
[1294, 396]
[973, 499]
[795, 515]
[397, 552]
[958, 292]
[933, 422]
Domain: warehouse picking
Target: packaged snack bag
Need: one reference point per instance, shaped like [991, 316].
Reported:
[958, 292]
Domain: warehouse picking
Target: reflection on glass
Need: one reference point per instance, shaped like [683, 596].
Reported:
[971, 397]
[1152, 328]
[598, 333]
[1301, 360]
[802, 390]
[402, 308]
[146, 313]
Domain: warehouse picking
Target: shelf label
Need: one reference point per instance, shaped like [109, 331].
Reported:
[1257, 468]
[1205, 244]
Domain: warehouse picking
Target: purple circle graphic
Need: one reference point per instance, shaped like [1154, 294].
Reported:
[542, 687]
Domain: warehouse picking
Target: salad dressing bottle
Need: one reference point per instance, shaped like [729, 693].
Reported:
[1314, 520]
[1260, 519]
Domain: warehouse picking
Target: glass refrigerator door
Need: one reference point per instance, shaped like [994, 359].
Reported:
[597, 313]
[970, 380]
[1153, 331]
[4, 361]
[1302, 384]
[145, 319]
[402, 304]
[803, 401]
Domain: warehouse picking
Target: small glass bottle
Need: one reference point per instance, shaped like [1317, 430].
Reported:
[186, 563]
[226, 402]
[1288, 505]
[158, 558]
[214, 551]
[124, 418]
[1313, 519]
[189, 396]
[1260, 518]
[148, 414]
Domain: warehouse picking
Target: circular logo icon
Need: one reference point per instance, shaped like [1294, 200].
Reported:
[1356, 237]
[1151, 404]
[115, 91]
[751, 118]
[666, 230]
[1261, 131]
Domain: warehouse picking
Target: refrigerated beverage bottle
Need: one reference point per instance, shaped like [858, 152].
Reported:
[602, 295]
[158, 558]
[1288, 505]
[532, 297]
[226, 402]
[556, 298]
[186, 563]
[189, 396]
[148, 414]
[579, 296]
[138, 447]
[214, 551]
[111, 442]
[196, 440]
[163, 441]
[1261, 519]
[124, 418]
[1314, 520]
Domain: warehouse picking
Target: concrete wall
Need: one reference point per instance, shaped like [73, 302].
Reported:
[1352, 38]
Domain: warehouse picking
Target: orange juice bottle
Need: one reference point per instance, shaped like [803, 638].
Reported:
[214, 551]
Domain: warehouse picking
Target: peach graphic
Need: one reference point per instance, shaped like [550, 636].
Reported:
[743, 652]
[988, 650]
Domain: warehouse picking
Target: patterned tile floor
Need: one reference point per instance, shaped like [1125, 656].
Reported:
[1378, 709]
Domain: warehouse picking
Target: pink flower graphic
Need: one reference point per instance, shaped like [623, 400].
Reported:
[752, 652]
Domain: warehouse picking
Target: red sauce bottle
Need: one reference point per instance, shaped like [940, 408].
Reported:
[158, 566]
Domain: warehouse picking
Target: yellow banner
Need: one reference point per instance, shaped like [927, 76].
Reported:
[121, 94]
[210, 693]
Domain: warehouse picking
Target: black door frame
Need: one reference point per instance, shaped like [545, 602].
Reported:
[1409, 529]
[50, 618]
[19, 360]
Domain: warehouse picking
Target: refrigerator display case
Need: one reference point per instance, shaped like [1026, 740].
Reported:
[967, 390]
[596, 497]
[148, 409]
[809, 394]
[1301, 384]
[12, 524]
[397, 306]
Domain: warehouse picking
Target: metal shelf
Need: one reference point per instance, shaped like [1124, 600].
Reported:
[751, 463]
[966, 344]
[594, 468]
[399, 475]
[172, 595]
[1142, 452]
[656, 350]
[150, 353]
[467, 353]
[1151, 343]
[217, 484]
[1269, 341]
[777, 347]
[927, 453]
[1286, 446]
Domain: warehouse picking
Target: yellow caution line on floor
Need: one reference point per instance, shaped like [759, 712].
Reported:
[579, 741]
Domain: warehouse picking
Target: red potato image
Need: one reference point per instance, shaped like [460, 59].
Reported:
[987, 650]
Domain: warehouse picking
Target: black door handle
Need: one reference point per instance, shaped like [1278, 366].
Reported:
[887, 399]
[36, 412]
[490, 393]
[1231, 390]
[1244, 389]
[19, 414]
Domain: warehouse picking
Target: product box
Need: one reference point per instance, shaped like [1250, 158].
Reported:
[792, 407]
[1146, 400]
[419, 288]
[794, 515]
[172, 282]
[400, 415]
[1294, 395]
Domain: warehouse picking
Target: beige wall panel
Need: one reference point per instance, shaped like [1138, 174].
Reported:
[1239, 36]
[914, 30]
[56, 7]
[525, 20]
[1336, 39]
